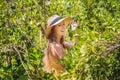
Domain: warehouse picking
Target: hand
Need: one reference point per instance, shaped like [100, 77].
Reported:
[74, 25]
[76, 38]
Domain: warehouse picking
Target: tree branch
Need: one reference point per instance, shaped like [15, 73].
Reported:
[110, 49]
[23, 64]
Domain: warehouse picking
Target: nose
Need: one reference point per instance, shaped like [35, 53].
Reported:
[64, 27]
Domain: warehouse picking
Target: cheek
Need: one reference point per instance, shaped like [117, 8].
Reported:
[57, 29]
[60, 30]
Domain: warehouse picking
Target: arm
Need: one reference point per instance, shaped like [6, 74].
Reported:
[68, 45]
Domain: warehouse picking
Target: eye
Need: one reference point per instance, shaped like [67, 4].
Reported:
[59, 25]
[63, 24]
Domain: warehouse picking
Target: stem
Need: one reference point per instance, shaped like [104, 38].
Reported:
[23, 64]
[110, 49]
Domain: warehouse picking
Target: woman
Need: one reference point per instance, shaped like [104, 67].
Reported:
[56, 45]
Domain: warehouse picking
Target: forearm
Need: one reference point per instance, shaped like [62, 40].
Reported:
[68, 45]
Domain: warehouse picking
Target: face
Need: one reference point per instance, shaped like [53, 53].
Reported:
[60, 28]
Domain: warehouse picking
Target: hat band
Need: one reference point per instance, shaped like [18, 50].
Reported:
[54, 21]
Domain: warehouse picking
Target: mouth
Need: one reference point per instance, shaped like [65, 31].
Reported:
[62, 31]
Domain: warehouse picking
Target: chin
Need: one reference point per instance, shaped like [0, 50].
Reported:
[61, 34]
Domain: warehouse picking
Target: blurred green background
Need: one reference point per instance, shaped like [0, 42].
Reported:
[95, 57]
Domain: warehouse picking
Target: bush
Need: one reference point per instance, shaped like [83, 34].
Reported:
[95, 57]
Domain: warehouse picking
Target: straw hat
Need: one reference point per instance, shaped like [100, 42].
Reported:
[54, 20]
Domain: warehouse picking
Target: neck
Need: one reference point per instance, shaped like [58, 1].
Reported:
[58, 38]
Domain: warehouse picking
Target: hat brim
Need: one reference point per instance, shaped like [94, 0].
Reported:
[66, 20]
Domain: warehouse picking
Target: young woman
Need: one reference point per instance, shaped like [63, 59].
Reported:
[56, 44]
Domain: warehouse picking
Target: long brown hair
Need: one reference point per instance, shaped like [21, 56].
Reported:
[50, 61]
[52, 37]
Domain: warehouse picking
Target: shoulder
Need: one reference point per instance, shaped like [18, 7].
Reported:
[51, 45]
[54, 45]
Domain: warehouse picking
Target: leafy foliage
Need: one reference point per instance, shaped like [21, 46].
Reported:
[95, 57]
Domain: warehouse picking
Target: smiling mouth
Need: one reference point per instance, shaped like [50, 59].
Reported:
[62, 31]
